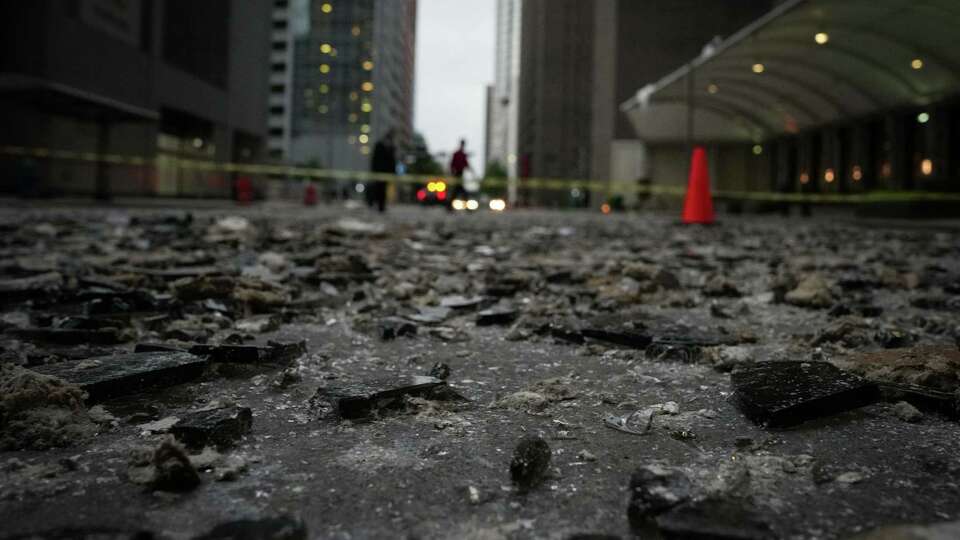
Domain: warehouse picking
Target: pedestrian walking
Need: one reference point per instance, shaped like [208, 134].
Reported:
[459, 164]
[384, 161]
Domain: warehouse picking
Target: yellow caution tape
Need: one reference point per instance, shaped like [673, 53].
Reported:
[599, 186]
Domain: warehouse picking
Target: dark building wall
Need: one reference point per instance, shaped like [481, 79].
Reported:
[66, 71]
[555, 88]
[50, 40]
[22, 36]
[106, 76]
[196, 38]
[249, 59]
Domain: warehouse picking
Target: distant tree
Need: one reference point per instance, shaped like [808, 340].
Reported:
[423, 162]
[426, 165]
[495, 169]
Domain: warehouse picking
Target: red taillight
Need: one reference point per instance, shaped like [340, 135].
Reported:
[421, 195]
[441, 195]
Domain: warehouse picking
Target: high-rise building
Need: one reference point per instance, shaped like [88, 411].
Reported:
[503, 105]
[151, 79]
[505, 102]
[488, 123]
[287, 20]
[343, 78]
[556, 88]
[580, 60]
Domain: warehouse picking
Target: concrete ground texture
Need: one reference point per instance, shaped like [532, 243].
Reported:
[617, 340]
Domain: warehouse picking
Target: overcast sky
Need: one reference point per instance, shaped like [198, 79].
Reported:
[455, 51]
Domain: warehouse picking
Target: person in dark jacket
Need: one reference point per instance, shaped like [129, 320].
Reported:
[384, 161]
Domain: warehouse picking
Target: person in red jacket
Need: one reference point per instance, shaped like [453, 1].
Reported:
[459, 162]
[458, 165]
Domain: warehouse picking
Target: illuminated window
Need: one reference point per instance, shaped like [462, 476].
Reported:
[829, 175]
[324, 89]
[917, 63]
[926, 167]
[804, 178]
[886, 170]
[759, 68]
[821, 38]
[323, 109]
[757, 149]
[326, 8]
[367, 86]
[713, 89]
[923, 117]
[324, 68]
[355, 30]
[326, 48]
[367, 65]
[365, 150]
[364, 139]
[365, 128]
[857, 174]
[366, 107]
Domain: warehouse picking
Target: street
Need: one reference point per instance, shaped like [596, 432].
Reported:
[400, 360]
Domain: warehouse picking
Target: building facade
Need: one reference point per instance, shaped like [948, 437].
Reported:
[144, 78]
[556, 88]
[805, 99]
[289, 18]
[488, 122]
[504, 106]
[343, 78]
[580, 60]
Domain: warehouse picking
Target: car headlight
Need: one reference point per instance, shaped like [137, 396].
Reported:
[498, 205]
[472, 204]
[458, 204]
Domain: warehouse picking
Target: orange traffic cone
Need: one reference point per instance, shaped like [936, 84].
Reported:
[310, 195]
[698, 205]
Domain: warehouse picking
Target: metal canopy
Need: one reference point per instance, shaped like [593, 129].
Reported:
[806, 64]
